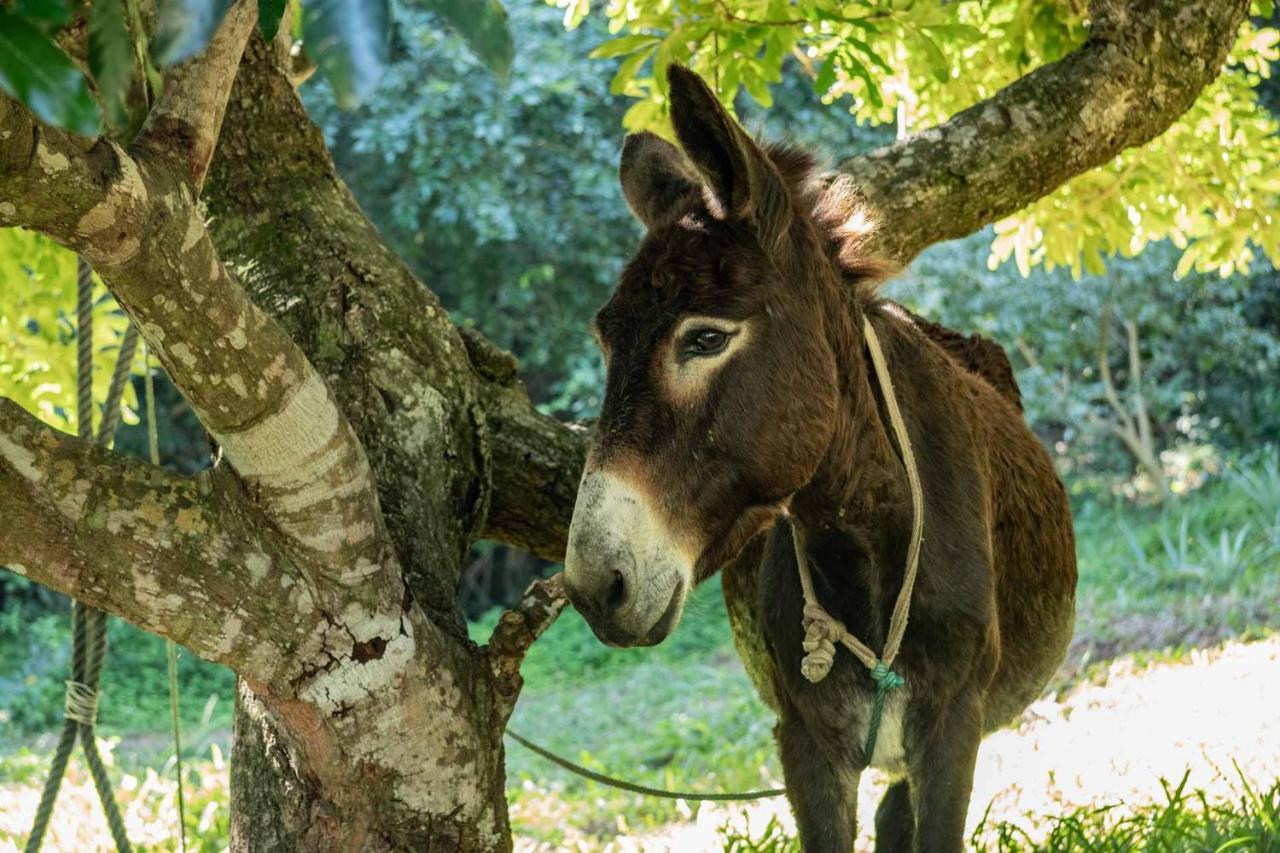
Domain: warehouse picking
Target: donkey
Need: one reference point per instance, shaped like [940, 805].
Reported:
[740, 411]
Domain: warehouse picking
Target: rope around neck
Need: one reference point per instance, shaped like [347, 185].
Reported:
[822, 630]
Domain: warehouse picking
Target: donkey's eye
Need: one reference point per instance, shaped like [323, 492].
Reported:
[705, 341]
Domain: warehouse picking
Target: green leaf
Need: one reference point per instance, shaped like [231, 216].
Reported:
[575, 13]
[826, 76]
[857, 69]
[628, 68]
[270, 14]
[111, 58]
[184, 27]
[483, 25]
[48, 16]
[956, 32]
[622, 46]
[938, 59]
[42, 77]
[348, 39]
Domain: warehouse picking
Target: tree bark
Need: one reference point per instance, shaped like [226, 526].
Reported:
[368, 442]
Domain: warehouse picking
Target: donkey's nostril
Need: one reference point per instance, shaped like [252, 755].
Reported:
[617, 591]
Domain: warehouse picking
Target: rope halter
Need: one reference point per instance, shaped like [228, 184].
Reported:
[822, 630]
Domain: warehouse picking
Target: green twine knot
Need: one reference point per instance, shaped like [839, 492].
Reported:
[885, 680]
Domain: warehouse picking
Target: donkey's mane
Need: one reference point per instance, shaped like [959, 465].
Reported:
[843, 217]
[847, 222]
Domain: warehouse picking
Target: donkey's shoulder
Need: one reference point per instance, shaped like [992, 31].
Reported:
[977, 354]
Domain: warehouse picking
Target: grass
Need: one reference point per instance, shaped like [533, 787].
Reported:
[683, 714]
[1187, 822]
[1197, 571]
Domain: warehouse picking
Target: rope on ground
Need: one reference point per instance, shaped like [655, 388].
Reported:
[624, 785]
[89, 626]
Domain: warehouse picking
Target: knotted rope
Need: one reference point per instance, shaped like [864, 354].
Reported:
[88, 626]
[822, 630]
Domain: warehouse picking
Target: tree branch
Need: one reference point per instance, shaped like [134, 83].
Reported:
[138, 223]
[171, 554]
[1142, 66]
[536, 464]
[516, 631]
[182, 128]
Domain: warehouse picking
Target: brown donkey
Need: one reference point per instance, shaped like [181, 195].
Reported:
[740, 401]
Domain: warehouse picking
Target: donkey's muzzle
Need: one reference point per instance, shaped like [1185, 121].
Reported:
[623, 571]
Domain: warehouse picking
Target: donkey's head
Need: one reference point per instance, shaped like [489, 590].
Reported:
[722, 379]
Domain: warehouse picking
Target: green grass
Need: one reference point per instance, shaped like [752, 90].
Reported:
[1203, 568]
[135, 680]
[1187, 822]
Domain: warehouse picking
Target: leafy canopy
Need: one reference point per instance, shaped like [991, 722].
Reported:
[349, 40]
[1210, 184]
[37, 330]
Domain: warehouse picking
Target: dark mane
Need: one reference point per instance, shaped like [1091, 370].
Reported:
[847, 222]
[842, 215]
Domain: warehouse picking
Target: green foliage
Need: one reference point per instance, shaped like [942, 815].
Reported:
[348, 40]
[111, 57]
[37, 330]
[270, 15]
[36, 72]
[1210, 183]
[1209, 347]
[483, 24]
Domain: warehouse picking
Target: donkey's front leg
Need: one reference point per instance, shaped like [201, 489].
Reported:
[822, 791]
[942, 775]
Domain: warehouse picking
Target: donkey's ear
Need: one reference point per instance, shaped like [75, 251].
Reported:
[657, 180]
[739, 174]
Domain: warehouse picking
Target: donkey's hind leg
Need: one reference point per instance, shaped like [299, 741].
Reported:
[823, 792]
[895, 820]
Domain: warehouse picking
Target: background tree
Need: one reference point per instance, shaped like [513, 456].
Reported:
[365, 440]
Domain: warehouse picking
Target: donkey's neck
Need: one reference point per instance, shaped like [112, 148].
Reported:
[860, 489]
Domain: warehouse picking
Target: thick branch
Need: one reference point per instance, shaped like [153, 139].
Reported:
[536, 465]
[182, 128]
[1142, 66]
[172, 554]
[140, 227]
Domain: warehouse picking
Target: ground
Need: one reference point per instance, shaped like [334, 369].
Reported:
[1175, 672]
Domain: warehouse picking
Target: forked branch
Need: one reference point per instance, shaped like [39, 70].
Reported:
[134, 216]
[169, 553]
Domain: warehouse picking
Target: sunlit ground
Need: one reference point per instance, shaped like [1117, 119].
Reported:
[1115, 739]
[148, 803]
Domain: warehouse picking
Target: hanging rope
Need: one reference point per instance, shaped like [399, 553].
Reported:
[171, 649]
[822, 630]
[88, 626]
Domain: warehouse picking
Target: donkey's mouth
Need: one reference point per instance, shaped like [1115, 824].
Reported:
[667, 621]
